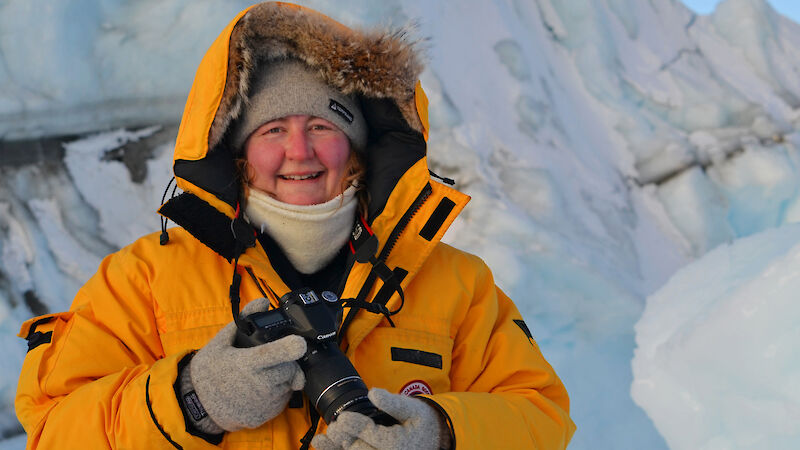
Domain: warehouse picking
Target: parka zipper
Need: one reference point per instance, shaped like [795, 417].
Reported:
[404, 221]
[384, 254]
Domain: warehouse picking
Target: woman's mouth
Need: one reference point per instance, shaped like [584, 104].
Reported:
[306, 176]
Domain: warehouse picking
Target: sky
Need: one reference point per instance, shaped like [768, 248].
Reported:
[789, 8]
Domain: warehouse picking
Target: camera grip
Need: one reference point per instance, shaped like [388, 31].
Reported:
[260, 328]
[244, 340]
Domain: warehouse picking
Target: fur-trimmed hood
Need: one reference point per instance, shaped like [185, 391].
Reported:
[376, 64]
[379, 64]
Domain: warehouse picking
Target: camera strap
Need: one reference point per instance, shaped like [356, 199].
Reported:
[364, 245]
[363, 242]
[244, 237]
[306, 439]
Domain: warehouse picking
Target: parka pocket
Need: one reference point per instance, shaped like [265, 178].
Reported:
[191, 329]
[405, 361]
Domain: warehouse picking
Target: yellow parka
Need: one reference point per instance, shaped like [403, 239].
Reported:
[103, 374]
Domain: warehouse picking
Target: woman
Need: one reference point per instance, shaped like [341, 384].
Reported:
[301, 154]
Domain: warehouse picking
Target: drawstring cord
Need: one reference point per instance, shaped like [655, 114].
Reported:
[444, 180]
[374, 308]
[164, 235]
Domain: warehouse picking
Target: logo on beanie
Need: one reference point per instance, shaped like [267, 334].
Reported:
[339, 108]
[416, 387]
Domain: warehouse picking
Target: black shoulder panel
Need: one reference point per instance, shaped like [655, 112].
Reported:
[216, 174]
[203, 221]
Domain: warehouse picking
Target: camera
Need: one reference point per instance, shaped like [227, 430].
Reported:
[332, 383]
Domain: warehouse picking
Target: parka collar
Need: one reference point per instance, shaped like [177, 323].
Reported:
[420, 210]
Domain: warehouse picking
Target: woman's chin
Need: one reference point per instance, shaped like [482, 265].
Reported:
[302, 199]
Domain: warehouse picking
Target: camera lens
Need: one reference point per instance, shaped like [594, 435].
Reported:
[363, 406]
[333, 385]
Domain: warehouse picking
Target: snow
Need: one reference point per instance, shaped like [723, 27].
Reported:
[716, 364]
[118, 221]
[605, 145]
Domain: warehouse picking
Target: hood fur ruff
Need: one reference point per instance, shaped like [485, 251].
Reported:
[378, 63]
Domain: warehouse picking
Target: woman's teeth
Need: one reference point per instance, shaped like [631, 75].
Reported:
[300, 177]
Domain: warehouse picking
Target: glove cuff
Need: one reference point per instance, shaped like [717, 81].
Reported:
[193, 409]
[446, 432]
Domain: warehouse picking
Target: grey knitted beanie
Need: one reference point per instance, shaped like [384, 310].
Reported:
[286, 87]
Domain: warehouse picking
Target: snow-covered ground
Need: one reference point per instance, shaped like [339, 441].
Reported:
[717, 363]
[605, 144]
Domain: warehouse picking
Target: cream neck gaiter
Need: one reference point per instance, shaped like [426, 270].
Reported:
[309, 235]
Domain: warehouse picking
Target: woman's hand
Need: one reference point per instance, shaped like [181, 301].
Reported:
[421, 427]
[239, 388]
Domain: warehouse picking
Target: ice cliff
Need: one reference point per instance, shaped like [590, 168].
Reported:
[605, 145]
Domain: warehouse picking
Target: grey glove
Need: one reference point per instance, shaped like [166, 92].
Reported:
[421, 427]
[225, 388]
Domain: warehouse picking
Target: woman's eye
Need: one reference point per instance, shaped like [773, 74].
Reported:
[272, 130]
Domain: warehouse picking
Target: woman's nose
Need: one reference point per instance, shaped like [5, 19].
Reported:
[298, 145]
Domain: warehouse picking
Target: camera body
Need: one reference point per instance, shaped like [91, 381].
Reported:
[332, 383]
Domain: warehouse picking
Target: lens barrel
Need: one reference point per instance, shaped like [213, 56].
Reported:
[333, 384]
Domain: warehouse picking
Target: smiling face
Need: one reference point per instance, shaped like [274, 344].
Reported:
[298, 159]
